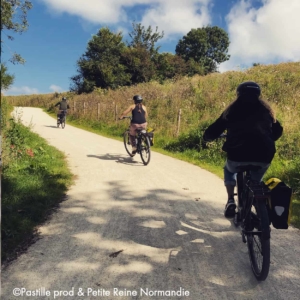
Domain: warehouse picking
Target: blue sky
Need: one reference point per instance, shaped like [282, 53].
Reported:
[264, 31]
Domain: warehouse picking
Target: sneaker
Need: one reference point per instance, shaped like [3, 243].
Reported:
[133, 150]
[230, 209]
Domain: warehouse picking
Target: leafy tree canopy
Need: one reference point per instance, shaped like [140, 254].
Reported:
[139, 64]
[170, 66]
[6, 79]
[207, 46]
[144, 38]
[100, 65]
[14, 15]
[13, 20]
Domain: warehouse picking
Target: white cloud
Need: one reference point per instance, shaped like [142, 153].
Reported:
[24, 90]
[178, 17]
[171, 16]
[267, 34]
[55, 88]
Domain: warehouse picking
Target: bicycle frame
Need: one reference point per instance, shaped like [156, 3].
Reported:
[250, 194]
[253, 218]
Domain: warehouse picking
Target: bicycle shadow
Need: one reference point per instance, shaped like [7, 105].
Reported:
[50, 126]
[118, 159]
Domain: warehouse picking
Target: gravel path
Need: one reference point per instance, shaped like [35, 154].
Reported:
[164, 220]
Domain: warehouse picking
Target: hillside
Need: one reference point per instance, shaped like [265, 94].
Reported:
[198, 101]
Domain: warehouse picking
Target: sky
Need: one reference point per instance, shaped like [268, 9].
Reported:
[260, 31]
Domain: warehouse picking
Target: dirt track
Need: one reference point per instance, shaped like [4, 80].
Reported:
[167, 218]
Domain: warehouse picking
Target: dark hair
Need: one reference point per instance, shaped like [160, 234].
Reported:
[138, 102]
[246, 105]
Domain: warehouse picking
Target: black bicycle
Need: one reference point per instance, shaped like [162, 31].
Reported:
[61, 119]
[253, 218]
[142, 144]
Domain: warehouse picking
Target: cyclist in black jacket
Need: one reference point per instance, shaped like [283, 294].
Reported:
[63, 104]
[252, 130]
[63, 107]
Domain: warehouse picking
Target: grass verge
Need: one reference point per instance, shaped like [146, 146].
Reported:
[35, 178]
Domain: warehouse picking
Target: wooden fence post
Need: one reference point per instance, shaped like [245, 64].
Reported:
[74, 108]
[178, 122]
[98, 110]
[84, 108]
[116, 113]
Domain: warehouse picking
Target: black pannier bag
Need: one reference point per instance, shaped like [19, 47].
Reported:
[280, 203]
[150, 134]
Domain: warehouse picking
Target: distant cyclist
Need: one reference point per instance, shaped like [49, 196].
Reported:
[63, 106]
[138, 121]
[252, 130]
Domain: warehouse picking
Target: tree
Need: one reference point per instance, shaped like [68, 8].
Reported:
[100, 65]
[144, 38]
[207, 46]
[141, 52]
[170, 66]
[6, 79]
[139, 64]
[13, 19]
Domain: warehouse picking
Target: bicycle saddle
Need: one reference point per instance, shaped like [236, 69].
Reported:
[248, 168]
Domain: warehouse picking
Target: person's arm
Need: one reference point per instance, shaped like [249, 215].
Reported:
[215, 130]
[277, 130]
[57, 104]
[68, 106]
[127, 111]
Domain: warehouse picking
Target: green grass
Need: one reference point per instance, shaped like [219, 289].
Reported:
[35, 178]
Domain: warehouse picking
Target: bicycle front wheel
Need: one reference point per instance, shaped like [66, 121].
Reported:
[258, 241]
[127, 143]
[145, 149]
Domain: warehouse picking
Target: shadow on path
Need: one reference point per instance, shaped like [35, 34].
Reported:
[50, 126]
[119, 158]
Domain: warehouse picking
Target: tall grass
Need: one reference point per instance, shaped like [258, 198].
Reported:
[201, 100]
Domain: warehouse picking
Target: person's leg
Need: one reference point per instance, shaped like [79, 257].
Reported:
[65, 115]
[132, 134]
[230, 182]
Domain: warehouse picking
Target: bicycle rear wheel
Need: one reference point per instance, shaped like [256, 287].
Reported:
[258, 241]
[127, 143]
[145, 149]
[63, 123]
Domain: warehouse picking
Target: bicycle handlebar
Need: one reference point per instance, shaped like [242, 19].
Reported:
[127, 117]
